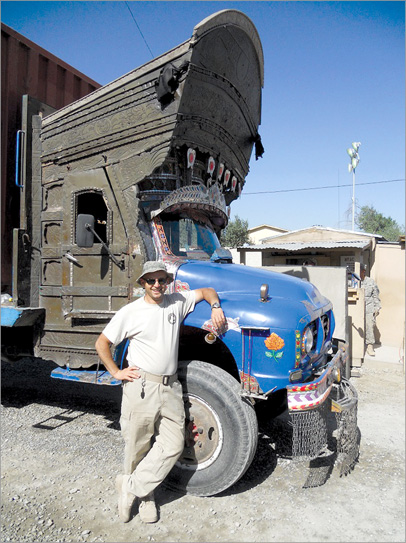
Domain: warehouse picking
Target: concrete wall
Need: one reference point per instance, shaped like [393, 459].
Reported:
[235, 254]
[388, 271]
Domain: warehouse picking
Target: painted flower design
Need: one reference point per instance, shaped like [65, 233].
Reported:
[274, 343]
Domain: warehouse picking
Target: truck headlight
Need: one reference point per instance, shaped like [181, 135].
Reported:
[336, 374]
[307, 341]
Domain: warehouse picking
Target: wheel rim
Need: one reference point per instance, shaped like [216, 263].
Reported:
[203, 435]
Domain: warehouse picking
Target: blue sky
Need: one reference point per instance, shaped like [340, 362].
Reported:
[334, 74]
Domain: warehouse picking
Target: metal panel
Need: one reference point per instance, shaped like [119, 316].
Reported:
[27, 69]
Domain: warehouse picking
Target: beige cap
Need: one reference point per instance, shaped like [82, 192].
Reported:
[153, 266]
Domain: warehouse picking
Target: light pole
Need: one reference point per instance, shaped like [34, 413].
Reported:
[353, 152]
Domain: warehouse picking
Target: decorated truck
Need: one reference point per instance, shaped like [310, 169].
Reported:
[146, 168]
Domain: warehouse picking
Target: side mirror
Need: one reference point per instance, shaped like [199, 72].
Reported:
[84, 235]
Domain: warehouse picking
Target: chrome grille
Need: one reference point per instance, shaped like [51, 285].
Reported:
[313, 328]
[325, 323]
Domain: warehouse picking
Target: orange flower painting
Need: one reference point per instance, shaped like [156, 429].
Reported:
[274, 343]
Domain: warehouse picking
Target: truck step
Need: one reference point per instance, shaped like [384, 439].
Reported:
[83, 376]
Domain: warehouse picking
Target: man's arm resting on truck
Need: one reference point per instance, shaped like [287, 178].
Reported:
[210, 296]
[103, 345]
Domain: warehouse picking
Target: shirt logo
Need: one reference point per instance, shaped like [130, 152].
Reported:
[172, 318]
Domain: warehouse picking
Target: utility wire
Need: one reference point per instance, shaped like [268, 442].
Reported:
[152, 55]
[325, 187]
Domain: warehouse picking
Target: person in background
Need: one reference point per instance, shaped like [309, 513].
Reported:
[372, 308]
[152, 410]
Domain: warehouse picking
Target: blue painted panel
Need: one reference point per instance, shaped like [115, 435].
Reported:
[10, 315]
[20, 316]
[83, 376]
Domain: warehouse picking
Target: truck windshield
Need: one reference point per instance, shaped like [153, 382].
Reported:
[190, 239]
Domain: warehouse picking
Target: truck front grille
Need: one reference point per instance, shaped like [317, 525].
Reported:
[325, 323]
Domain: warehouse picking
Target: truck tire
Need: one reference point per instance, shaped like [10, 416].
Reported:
[221, 431]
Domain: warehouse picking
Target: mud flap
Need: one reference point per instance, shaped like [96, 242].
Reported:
[345, 407]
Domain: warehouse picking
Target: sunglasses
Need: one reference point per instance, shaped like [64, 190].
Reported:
[161, 281]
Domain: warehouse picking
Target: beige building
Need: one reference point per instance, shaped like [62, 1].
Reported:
[259, 233]
[294, 251]
[319, 246]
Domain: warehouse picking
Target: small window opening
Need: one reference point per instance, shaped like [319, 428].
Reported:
[93, 203]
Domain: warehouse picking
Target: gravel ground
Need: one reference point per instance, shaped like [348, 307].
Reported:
[61, 450]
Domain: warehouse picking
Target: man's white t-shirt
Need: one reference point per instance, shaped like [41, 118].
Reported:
[153, 331]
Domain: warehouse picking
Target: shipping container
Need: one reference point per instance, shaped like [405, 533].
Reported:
[27, 70]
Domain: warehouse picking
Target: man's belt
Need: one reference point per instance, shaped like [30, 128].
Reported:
[163, 379]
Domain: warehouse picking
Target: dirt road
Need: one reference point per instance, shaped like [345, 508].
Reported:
[61, 449]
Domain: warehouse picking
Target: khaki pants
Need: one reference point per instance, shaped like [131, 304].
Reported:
[369, 328]
[153, 427]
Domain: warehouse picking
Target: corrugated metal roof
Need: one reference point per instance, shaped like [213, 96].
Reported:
[302, 245]
[324, 229]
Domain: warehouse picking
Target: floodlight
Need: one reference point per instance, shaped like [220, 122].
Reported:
[351, 152]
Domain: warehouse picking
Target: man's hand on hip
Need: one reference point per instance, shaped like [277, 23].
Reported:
[128, 374]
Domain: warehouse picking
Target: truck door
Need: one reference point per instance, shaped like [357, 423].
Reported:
[81, 287]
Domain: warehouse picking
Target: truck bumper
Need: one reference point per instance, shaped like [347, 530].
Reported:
[312, 394]
[323, 412]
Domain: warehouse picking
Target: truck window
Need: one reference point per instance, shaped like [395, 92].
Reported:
[190, 238]
[93, 203]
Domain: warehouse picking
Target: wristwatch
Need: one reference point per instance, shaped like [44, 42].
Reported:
[216, 305]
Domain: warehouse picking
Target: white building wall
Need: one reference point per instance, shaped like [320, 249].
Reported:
[253, 258]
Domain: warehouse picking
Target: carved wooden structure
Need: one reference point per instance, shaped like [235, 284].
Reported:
[187, 118]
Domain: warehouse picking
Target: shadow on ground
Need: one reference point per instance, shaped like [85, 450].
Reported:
[28, 381]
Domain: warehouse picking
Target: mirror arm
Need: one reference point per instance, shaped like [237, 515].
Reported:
[113, 258]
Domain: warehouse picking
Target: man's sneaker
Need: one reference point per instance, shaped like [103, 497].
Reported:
[125, 498]
[147, 509]
[370, 350]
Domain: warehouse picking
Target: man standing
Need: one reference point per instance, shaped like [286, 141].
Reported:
[152, 410]
[372, 307]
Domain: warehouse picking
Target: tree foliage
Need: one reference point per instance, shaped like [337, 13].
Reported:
[370, 221]
[235, 234]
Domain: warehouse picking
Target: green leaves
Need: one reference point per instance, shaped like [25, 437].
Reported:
[370, 221]
[276, 355]
[235, 234]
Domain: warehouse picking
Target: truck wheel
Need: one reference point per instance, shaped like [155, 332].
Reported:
[221, 431]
